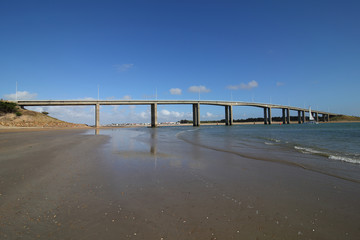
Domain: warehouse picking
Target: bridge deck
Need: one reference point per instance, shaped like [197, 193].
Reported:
[160, 102]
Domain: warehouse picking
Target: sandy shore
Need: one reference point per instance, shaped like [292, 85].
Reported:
[67, 185]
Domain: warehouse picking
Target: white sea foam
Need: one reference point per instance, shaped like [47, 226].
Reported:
[274, 140]
[310, 150]
[345, 159]
[330, 156]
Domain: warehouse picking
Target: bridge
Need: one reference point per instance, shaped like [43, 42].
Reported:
[228, 105]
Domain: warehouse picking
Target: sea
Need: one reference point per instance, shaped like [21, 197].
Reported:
[326, 148]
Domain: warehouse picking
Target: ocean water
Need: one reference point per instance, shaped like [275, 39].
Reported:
[332, 148]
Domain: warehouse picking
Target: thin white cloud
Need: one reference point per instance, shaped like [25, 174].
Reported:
[165, 112]
[21, 95]
[124, 67]
[144, 115]
[211, 116]
[175, 91]
[197, 89]
[87, 99]
[126, 97]
[172, 116]
[278, 84]
[233, 87]
[249, 85]
[246, 86]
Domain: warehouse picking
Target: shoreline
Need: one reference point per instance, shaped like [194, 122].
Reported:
[19, 129]
[33, 129]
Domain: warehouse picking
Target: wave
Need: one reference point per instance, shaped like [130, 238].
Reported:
[331, 156]
[345, 159]
[308, 150]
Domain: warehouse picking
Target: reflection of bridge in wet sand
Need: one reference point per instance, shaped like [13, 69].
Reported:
[195, 106]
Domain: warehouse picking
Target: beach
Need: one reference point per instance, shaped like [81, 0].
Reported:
[167, 183]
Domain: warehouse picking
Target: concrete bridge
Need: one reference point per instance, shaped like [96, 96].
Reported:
[228, 105]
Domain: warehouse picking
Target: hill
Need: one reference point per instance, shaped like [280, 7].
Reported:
[12, 115]
[344, 118]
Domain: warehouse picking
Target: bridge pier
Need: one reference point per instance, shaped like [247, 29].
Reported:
[283, 116]
[265, 115]
[288, 116]
[299, 117]
[228, 115]
[316, 117]
[269, 115]
[154, 115]
[196, 114]
[302, 116]
[326, 117]
[97, 115]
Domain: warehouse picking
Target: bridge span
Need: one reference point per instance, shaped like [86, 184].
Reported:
[195, 105]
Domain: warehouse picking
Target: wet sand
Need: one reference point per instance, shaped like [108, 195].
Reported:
[67, 185]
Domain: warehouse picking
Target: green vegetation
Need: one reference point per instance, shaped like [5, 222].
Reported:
[9, 107]
[344, 118]
[46, 113]
[184, 121]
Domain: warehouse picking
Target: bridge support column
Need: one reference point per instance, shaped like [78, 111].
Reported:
[302, 116]
[154, 115]
[265, 115]
[228, 115]
[269, 116]
[299, 117]
[196, 114]
[316, 116]
[283, 116]
[288, 116]
[97, 115]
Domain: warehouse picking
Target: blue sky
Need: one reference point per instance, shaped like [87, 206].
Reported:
[300, 53]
